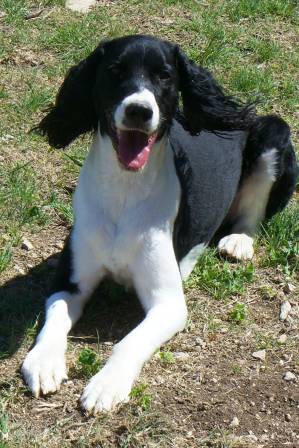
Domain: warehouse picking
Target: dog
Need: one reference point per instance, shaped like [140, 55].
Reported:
[175, 164]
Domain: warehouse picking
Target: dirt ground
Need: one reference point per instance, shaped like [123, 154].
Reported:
[204, 389]
[214, 394]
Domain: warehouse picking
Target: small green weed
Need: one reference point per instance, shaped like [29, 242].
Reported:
[88, 363]
[267, 292]
[5, 257]
[265, 341]
[139, 394]
[236, 370]
[213, 323]
[238, 313]
[3, 444]
[3, 427]
[31, 329]
[167, 357]
[3, 93]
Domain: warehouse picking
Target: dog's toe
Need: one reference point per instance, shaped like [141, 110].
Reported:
[237, 245]
[105, 390]
[44, 370]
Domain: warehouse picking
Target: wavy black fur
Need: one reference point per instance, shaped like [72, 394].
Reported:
[205, 106]
[73, 113]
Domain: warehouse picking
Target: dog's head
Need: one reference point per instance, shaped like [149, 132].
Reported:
[130, 86]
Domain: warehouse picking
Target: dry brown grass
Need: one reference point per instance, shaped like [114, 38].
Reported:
[192, 401]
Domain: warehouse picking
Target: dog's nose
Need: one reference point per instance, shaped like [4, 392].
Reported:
[138, 112]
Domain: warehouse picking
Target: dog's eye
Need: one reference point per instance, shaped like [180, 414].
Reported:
[116, 70]
[164, 74]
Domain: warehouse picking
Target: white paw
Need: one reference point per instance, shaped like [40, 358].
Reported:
[112, 385]
[237, 245]
[44, 370]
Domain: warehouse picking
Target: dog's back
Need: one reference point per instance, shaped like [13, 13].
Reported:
[209, 168]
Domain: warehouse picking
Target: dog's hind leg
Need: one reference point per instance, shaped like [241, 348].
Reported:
[44, 367]
[268, 181]
[248, 208]
[158, 284]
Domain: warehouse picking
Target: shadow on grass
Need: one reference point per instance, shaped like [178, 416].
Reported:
[109, 315]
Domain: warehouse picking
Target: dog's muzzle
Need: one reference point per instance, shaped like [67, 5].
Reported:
[136, 127]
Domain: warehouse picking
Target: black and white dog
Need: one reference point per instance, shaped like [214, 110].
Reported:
[158, 185]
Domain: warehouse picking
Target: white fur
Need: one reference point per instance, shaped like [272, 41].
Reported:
[142, 98]
[44, 367]
[249, 205]
[237, 245]
[252, 197]
[123, 228]
[267, 164]
[188, 263]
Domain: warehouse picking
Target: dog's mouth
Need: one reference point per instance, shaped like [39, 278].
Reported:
[133, 148]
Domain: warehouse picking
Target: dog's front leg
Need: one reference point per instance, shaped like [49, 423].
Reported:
[44, 367]
[158, 284]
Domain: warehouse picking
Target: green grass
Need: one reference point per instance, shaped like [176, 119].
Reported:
[33, 100]
[5, 257]
[219, 277]
[250, 9]
[264, 50]
[21, 208]
[4, 425]
[251, 47]
[266, 342]
[253, 81]
[62, 207]
[280, 238]
[21, 202]
[15, 10]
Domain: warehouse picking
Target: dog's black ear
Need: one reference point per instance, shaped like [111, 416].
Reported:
[205, 106]
[73, 112]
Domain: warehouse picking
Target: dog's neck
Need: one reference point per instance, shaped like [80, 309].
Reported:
[116, 188]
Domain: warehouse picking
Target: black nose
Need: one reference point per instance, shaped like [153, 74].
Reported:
[137, 112]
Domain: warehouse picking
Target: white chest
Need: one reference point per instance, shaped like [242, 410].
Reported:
[118, 212]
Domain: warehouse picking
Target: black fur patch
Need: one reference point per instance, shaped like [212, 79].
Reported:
[62, 280]
[209, 169]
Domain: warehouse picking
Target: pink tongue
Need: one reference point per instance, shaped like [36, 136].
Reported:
[134, 148]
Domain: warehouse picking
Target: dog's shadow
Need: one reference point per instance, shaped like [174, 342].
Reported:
[109, 315]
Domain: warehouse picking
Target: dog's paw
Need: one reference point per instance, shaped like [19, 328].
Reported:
[237, 245]
[106, 389]
[44, 370]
